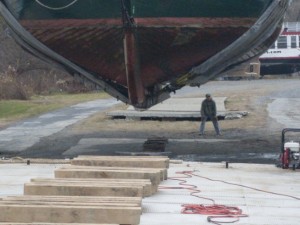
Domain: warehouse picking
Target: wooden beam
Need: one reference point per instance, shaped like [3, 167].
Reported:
[32, 213]
[122, 161]
[149, 189]
[82, 189]
[163, 172]
[154, 177]
[74, 199]
[8, 223]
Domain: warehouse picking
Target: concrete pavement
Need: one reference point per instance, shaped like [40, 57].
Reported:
[25, 134]
[268, 195]
[286, 111]
[283, 105]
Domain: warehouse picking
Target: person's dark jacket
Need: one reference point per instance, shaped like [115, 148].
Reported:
[208, 108]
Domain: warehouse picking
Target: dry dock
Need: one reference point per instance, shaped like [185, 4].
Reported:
[264, 193]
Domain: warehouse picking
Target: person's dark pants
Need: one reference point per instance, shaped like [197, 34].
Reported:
[214, 121]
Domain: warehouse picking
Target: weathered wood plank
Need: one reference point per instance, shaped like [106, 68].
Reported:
[148, 188]
[69, 214]
[163, 172]
[46, 203]
[133, 157]
[123, 161]
[119, 174]
[7, 223]
[76, 199]
[82, 190]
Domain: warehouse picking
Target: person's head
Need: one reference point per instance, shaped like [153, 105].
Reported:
[208, 96]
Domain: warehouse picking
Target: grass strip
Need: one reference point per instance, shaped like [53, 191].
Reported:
[13, 110]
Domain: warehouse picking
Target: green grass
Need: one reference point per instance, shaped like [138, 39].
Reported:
[13, 110]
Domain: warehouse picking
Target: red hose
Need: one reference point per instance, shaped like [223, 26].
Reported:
[216, 212]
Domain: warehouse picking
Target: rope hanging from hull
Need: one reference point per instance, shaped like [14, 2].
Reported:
[56, 8]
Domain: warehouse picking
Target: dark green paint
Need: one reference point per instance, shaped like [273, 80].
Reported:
[29, 9]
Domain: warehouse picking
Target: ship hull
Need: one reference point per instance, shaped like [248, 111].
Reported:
[164, 51]
[139, 51]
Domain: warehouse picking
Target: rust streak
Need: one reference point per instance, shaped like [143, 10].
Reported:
[134, 81]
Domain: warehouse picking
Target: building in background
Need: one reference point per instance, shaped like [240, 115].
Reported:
[283, 57]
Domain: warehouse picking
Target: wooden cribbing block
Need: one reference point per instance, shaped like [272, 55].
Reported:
[50, 224]
[45, 203]
[163, 172]
[153, 176]
[34, 213]
[129, 156]
[122, 161]
[148, 188]
[74, 199]
[7, 223]
[82, 189]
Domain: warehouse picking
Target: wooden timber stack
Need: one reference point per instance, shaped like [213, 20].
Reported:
[92, 190]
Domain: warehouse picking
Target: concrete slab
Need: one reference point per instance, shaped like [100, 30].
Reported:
[184, 105]
[164, 207]
[172, 108]
[265, 193]
[13, 176]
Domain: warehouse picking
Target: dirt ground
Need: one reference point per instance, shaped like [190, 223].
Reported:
[250, 139]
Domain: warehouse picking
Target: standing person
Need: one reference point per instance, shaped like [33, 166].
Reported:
[209, 111]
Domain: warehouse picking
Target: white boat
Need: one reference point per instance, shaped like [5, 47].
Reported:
[284, 55]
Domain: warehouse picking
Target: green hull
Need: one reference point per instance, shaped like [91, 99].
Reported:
[84, 9]
[141, 50]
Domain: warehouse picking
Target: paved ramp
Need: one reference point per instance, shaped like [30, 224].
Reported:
[25, 134]
[286, 111]
[113, 145]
